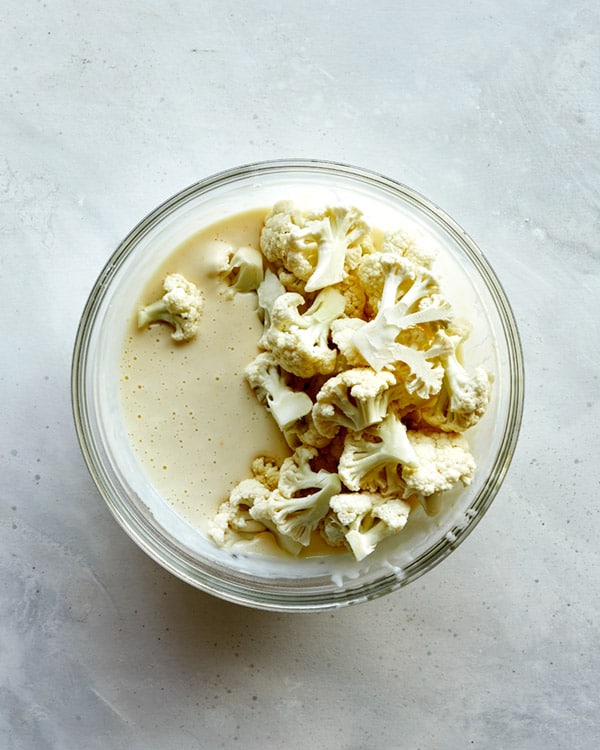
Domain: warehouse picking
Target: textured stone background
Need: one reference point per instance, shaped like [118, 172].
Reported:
[491, 110]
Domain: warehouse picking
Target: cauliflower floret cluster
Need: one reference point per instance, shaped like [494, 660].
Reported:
[359, 365]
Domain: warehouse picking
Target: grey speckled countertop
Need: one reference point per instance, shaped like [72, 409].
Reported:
[490, 109]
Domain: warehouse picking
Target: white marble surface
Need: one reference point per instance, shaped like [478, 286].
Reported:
[492, 109]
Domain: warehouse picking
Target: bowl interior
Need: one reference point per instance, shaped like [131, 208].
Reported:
[281, 583]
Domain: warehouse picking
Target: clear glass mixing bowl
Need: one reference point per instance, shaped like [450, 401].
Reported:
[276, 583]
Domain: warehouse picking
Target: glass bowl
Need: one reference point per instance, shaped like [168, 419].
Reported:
[277, 583]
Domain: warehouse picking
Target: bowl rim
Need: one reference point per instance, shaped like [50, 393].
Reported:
[295, 600]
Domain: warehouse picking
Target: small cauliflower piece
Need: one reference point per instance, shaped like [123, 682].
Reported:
[296, 474]
[441, 459]
[291, 282]
[304, 432]
[405, 295]
[266, 471]
[299, 342]
[365, 519]
[332, 531]
[418, 368]
[342, 334]
[425, 373]
[463, 397]
[412, 244]
[354, 399]
[180, 307]
[340, 235]
[283, 222]
[293, 511]
[267, 292]
[266, 379]
[318, 247]
[243, 269]
[233, 514]
[374, 457]
[354, 294]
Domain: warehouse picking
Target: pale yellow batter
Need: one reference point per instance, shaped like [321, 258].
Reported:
[192, 419]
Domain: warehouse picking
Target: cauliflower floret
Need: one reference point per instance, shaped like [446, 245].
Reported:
[304, 432]
[267, 381]
[180, 307]
[243, 269]
[373, 458]
[413, 244]
[332, 531]
[267, 292]
[418, 369]
[292, 283]
[373, 270]
[441, 459]
[282, 223]
[354, 399]
[408, 299]
[365, 519]
[233, 514]
[318, 247]
[424, 377]
[342, 334]
[266, 471]
[340, 235]
[300, 341]
[463, 397]
[354, 294]
[407, 295]
[293, 511]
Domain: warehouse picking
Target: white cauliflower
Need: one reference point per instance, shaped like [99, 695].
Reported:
[266, 470]
[180, 307]
[354, 294]
[405, 296]
[294, 510]
[243, 269]
[361, 369]
[318, 247]
[282, 224]
[410, 309]
[354, 399]
[266, 379]
[364, 520]
[373, 458]
[233, 514]
[300, 341]
[441, 459]
[304, 432]
[342, 334]
[413, 244]
[464, 397]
